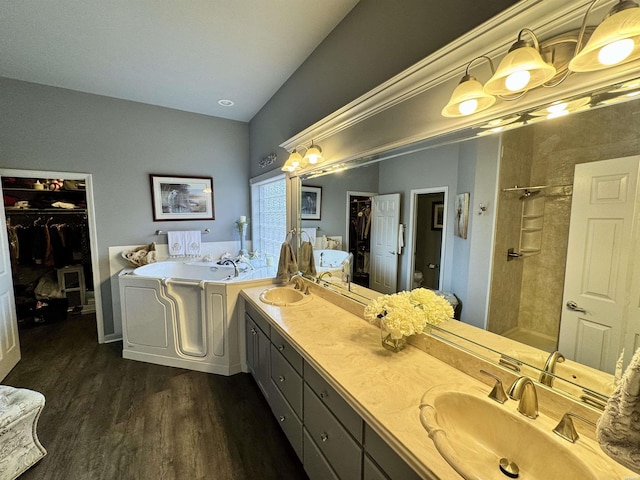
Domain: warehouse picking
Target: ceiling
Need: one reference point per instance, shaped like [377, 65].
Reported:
[182, 54]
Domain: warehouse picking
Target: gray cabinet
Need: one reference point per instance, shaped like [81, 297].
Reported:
[258, 353]
[326, 433]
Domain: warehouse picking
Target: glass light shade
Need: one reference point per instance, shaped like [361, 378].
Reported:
[467, 98]
[522, 69]
[293, 163]
[615, 41]
[314, 154]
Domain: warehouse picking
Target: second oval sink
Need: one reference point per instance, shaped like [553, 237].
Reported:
[284, 296]
[473, 434]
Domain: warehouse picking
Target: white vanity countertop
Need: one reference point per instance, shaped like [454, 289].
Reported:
[385, 388]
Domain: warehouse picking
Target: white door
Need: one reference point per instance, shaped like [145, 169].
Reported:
[9, 341]
[598, 257]
[385, 223]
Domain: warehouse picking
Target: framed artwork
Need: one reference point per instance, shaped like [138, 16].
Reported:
[181, 198]
[462, 215]
[311, 203]
[437, 215]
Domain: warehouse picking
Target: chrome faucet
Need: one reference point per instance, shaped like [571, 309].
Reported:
[567, 430]
[497, 393]
[524, 391]
[326, 273]
[298, 282]
[547, 377]
[227, 261]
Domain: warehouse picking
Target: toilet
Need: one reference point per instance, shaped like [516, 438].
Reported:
[417, 279]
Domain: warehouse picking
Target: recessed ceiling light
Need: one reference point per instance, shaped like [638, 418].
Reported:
[226, 103]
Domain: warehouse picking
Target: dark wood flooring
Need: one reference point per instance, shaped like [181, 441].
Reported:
[110, 418]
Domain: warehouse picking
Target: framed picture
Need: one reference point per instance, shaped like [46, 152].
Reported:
[311, 203]
[437, 215]
[462, 215]
[181, 198]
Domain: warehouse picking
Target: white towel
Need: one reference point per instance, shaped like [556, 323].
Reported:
[193, 242]
[176, 244]
[400, 238]
[311, 232]
[618, 429]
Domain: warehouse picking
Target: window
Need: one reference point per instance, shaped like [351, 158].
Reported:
[269, 214]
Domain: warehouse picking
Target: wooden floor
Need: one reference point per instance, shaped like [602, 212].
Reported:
[110, 418]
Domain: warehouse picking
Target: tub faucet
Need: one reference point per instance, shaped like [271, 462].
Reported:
[228, 261]
[524, 391]
[322, 275]
[546, 377]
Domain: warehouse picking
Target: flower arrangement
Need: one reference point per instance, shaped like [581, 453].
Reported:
[407, 313]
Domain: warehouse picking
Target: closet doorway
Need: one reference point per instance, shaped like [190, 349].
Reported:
[51, 244]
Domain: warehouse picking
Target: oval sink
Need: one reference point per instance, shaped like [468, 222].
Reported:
[473, 433]
[284, 296]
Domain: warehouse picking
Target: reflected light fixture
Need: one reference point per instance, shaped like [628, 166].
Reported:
[521, 69]
[469, 96]
[615, 41]
[312, 156]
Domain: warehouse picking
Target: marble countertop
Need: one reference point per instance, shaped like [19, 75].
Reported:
[385, 388]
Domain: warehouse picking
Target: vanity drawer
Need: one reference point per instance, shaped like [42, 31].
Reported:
[289, 422]
[287, 350]
[342, 452]
[388, 460]
[258, 319]
[315, 464]
[287, 380]
[338, 406]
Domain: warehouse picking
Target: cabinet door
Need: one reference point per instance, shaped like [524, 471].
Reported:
[251, 334]
[263, 362]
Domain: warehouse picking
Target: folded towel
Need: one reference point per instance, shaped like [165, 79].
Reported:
[307, 262]
[193, 242]
[287, 264]
[618, 429]
[176, 243]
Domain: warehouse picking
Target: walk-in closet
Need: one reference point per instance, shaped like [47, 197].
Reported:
[47, 228]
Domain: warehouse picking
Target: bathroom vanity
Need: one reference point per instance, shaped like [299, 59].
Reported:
[351, 409]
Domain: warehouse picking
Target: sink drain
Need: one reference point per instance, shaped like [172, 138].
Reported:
[510, 469]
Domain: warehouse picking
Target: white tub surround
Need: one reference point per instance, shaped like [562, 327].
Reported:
[183, 314]
[384, 388]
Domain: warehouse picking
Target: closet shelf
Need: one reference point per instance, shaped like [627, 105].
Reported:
[20, 189]
[39, 211]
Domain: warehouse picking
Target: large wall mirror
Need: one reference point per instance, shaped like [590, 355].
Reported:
[513, 250]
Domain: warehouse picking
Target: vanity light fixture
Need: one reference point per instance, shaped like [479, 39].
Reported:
[521, 69]
[615, 41]
[312, 156]
[469, 96]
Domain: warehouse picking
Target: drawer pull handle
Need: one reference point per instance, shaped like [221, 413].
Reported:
[253, 331]
[281, 378]
[324, 437]
[281, 347]
[282, 418]
[324, 395]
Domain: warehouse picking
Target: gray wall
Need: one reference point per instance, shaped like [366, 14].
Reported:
[120, 143]
[377, 40]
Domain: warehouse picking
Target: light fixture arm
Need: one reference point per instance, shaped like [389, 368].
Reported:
[521, 42]
[493, 69]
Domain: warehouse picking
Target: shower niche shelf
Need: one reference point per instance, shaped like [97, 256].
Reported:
[531, 225]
